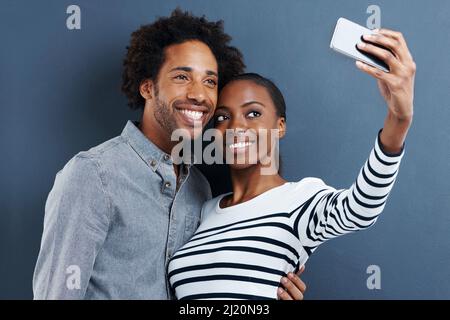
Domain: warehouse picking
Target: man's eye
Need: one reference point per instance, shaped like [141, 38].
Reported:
[181, 77]
[220, 118]
[211, 82]
[254, 114]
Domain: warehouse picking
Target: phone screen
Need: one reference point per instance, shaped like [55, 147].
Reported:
[345, 37]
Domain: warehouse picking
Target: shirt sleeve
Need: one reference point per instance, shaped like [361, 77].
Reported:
[330, 213]
[75, 227]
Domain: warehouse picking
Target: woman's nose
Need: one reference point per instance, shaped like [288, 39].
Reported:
[238, 123]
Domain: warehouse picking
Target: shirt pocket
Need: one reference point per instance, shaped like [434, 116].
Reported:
[191, 225]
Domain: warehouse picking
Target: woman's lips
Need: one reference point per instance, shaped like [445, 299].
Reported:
[240, 147]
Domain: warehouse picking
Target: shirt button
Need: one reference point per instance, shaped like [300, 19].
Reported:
[153, 163]
[166, 157]
[167, 185]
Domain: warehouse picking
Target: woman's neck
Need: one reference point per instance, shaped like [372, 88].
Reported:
[249, 183]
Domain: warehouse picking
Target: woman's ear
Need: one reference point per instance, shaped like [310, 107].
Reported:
[146, 89]
[281, 127]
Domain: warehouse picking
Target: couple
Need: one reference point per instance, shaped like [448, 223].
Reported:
[122, 221]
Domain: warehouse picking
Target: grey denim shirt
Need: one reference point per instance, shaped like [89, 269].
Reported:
[113, 219]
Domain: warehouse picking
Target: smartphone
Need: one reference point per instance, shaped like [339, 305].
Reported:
[345, 37]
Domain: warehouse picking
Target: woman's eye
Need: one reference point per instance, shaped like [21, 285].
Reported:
[220, 118]
[254, 114]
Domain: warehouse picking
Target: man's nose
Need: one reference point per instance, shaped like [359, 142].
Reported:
[196, 92]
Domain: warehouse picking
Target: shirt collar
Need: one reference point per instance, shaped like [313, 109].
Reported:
[144, 147]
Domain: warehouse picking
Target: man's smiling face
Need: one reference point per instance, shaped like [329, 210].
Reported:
[184, 94]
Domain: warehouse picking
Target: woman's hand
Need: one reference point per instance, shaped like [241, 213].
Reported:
[294, 287]
[396, 86]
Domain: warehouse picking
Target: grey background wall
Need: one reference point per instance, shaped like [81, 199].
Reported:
[59, 94]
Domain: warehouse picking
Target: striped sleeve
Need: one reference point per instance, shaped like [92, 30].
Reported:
[331, 213]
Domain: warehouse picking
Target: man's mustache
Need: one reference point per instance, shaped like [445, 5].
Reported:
[200, 106]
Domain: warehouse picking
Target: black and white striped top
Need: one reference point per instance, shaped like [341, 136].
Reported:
[242, 251]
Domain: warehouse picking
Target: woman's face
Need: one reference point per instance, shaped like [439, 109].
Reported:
[246, 109]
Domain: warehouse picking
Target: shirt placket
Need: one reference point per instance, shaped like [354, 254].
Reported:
[184, 174]
[169, 192]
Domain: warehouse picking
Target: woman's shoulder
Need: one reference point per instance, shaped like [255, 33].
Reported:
[213, 201]
[308, 182]
[211, 205]
[306, 187]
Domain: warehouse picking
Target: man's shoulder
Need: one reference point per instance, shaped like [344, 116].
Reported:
[103, 150]
[197, 174]
[87, 163]
[200, 181]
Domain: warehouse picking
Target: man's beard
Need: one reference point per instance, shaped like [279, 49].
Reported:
[163, 116]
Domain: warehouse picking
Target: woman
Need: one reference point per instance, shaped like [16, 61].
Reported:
[268, 227]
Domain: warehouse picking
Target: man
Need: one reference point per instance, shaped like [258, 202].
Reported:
[118, 211]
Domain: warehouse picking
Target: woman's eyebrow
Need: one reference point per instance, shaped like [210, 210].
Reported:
[252, 102]
[243, 105]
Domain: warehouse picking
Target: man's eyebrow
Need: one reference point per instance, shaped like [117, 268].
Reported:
[186, 69]
[189, 69]
[211, 73]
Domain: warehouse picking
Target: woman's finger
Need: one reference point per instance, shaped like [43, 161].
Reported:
[297, 282]
[397, 36]
[374, 72]
[300, 271]
[392, 44]
[390, 33]
[292, 289]
[283, 295]
[383, 54]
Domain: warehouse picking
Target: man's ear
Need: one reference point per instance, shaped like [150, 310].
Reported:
[146, 89]
[281, 127]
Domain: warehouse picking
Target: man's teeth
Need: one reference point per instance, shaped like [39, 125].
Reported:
[240, 145]
[196, 115]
